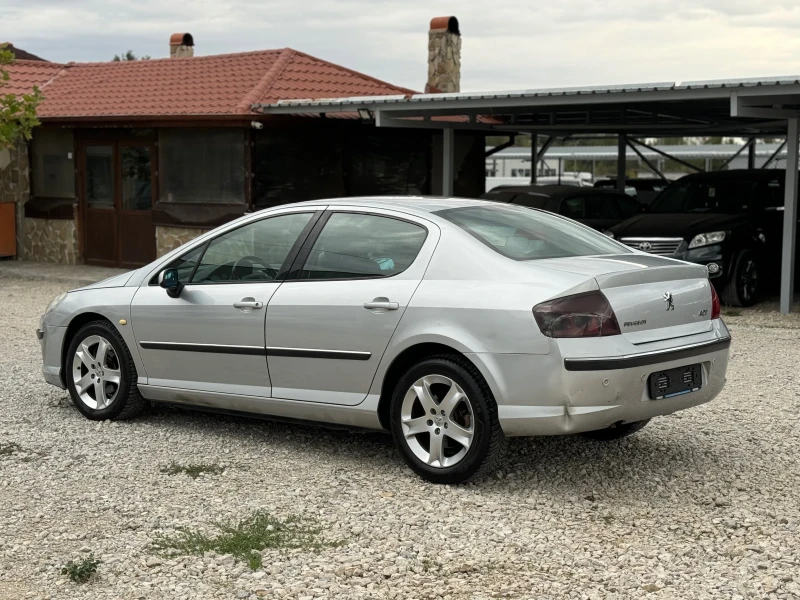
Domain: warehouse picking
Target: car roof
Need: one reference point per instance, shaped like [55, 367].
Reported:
[420, 205]
[640, 183]
[736, 174]
[554, 191]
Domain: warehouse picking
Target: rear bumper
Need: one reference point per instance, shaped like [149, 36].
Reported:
[646, 358]
[549, 398]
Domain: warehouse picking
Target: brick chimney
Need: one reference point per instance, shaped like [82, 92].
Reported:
[444, 56]
[181, 45]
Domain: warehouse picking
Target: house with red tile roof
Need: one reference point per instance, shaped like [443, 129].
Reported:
[134, 158]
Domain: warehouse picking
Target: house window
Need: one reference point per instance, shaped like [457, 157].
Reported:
[52, 164]
[202, 166]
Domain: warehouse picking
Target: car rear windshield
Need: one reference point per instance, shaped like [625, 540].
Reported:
[523, 198]
[526, 234]
[730, 196]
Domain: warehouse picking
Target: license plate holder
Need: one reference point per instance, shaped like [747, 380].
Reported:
[675, 382]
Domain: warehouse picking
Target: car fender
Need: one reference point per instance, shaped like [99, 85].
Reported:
[114, 304]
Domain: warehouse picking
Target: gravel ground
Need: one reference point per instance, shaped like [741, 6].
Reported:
[702, 504]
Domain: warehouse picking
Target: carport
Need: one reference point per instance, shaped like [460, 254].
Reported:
[749, 109]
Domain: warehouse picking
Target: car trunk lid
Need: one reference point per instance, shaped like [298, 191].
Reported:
[654, 298]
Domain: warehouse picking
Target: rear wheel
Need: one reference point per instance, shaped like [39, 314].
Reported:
[444, 421]
[616, 431]
[100, 374]
[742, 287]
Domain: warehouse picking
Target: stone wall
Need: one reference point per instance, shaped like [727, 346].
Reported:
[49, 240]
[15, 182]
[169, 238]
[444, 56]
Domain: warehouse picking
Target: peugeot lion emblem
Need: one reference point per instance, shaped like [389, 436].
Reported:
[668, 299]
[645, 246]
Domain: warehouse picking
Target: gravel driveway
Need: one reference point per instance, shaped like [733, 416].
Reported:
[702, 504]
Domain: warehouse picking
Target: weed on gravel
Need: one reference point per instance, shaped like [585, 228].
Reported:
[193, 471]
[82, 570]
[245, 539]
[9, 448]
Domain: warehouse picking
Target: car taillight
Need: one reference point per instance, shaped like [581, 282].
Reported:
[714, 302]
[582, 315]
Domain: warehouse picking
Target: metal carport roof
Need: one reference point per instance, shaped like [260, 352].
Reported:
[747, 108]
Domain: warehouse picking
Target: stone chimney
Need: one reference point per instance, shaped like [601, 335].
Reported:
[181, 45]
[444, 56]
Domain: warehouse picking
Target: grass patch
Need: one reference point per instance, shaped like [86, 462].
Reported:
[9, 448]
[81, 571]
[193, 471]
[244, 539]
[732, 313]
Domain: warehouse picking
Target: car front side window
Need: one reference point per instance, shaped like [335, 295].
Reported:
[357, 246]
[253, 252]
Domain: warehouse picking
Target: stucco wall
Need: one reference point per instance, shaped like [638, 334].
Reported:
[169, 238]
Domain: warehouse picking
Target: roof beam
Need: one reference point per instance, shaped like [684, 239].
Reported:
[764, 107]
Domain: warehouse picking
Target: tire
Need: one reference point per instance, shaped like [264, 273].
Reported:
[471, 415]
[120, 396]
[742, 286]
[616, 432]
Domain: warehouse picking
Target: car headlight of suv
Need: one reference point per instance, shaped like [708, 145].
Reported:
[705, 239]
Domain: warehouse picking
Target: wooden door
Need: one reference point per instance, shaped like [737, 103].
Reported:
[117, 190]
[137, 234]
[98, 202]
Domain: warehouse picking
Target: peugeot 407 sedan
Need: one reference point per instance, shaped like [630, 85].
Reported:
[452, 323]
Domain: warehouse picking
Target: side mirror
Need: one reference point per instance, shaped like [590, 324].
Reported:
[168, 279]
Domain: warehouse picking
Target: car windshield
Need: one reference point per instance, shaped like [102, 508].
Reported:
[524, 234]
[697, 195]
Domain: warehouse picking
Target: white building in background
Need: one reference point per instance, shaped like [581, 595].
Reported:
[513, 165]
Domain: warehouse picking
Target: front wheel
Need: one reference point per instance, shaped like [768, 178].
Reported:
[444, 421]
[742, 286]
[100, 374]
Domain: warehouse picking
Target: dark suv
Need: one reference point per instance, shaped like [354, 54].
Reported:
[730, 221]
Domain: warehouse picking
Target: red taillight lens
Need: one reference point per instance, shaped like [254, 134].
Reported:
[714, 302]
[582, 315]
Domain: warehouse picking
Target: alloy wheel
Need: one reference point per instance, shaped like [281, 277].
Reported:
[438, 421]
[96, 372]
[749, 280]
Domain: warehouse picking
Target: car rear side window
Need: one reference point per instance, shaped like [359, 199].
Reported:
[524, 234]
[357, 246]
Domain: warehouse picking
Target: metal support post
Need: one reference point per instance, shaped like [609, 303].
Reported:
[622, 154]
[790, 216]
[751, 154]
[448, 161]
[534, 157]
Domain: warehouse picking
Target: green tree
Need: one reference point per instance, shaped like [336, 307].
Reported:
[17, 112]
[129, 55]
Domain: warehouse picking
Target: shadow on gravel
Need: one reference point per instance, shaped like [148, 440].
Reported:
[650, 463]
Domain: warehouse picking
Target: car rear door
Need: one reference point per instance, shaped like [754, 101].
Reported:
[328, 325]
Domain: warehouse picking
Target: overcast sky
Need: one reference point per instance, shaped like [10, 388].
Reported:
[507, 44]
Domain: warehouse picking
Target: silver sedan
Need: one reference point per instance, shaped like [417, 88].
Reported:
[452, 323]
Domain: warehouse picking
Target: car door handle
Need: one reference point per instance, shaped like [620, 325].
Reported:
[248, 303]
[381, 303]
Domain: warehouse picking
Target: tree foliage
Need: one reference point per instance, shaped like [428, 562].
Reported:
[17, 113]
[129, 55]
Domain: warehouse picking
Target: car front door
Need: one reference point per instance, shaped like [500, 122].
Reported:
[211, 337]
[328, 325]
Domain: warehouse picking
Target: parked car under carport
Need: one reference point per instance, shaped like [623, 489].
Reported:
[599, 209]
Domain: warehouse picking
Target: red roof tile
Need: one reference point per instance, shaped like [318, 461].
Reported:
[227, 84]
[25, 74]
